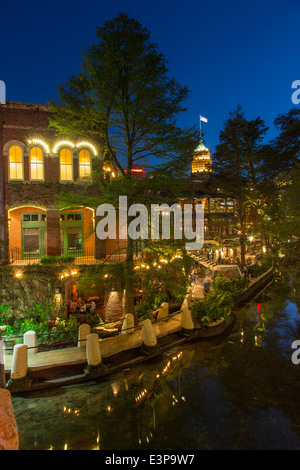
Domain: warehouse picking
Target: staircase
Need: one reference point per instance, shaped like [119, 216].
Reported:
[234, 269]
[210, 264]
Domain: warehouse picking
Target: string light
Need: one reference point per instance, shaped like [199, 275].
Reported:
[87, 144]
[63, 142]
[40, 142]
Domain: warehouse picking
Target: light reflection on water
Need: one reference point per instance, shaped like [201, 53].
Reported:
[240, 392]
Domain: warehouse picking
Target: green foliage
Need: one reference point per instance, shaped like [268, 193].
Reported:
[62, 259]
[6, 319]
[216, 305]
[108, 102]
[234, 286]
[257, 270]
[160, 298]
[199, 311]
[218, 302]
[143, 311]
[41, 319]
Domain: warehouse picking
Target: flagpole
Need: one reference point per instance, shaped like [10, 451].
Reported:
[200, 126]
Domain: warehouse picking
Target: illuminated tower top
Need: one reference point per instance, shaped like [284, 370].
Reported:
[201, 163]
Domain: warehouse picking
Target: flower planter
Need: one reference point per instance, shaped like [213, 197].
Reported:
[214, 328]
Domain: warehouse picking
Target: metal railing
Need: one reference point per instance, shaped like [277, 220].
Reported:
[43, 344]
[84, 255]
[75, 340]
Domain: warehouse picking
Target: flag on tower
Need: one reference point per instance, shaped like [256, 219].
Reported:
[203, 119]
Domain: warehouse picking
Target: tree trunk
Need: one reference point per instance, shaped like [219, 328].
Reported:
[129, 281]
[243, 249]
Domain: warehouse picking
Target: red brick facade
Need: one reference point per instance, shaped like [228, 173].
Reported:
[26, 126]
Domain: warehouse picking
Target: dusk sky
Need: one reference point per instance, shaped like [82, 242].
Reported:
[226, 52]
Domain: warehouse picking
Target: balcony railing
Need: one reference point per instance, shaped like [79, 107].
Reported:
[85, 255]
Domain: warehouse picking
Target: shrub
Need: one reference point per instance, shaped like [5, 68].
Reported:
[6, 315]
[143, 311]
[160, 298]
[219, 304]
[48, 260]
[41, 319]
[66, 259]
[199, 311]
[257, 270]
[62, 259]
[216, 305]
[234, 286]
[179, 292]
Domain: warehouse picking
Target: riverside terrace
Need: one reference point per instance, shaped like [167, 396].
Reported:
[28, 370]
[99, 358]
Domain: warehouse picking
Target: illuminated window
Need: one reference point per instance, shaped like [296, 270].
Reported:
[15, 163]
[66, 167]
[84, 164]
[36, 164]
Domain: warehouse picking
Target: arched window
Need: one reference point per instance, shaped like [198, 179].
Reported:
[84, 164]
[36, 164]
[66, 165]
[15, 163]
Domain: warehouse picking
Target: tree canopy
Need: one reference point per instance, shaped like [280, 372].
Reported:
[124, 99]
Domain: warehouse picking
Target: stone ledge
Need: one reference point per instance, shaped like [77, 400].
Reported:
[214, 328]
[9, 438]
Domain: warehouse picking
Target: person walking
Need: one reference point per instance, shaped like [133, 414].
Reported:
[206, 287]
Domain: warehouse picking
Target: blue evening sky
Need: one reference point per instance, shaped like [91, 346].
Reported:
[226, 52]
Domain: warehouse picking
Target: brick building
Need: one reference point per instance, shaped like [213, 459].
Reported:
[36, 167]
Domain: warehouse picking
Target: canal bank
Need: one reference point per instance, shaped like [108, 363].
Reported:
[68, 366]
[232, 392]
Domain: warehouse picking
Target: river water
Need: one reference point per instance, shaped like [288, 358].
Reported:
[238, 392]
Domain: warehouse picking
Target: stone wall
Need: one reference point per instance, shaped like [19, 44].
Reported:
[256, 286]
[9, 438]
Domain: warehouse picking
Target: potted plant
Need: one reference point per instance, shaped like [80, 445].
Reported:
[199, 312]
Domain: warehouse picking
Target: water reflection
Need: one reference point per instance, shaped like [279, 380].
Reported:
[240, 392]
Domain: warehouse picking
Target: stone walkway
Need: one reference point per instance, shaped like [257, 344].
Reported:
[108, 347]
[198, 290]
